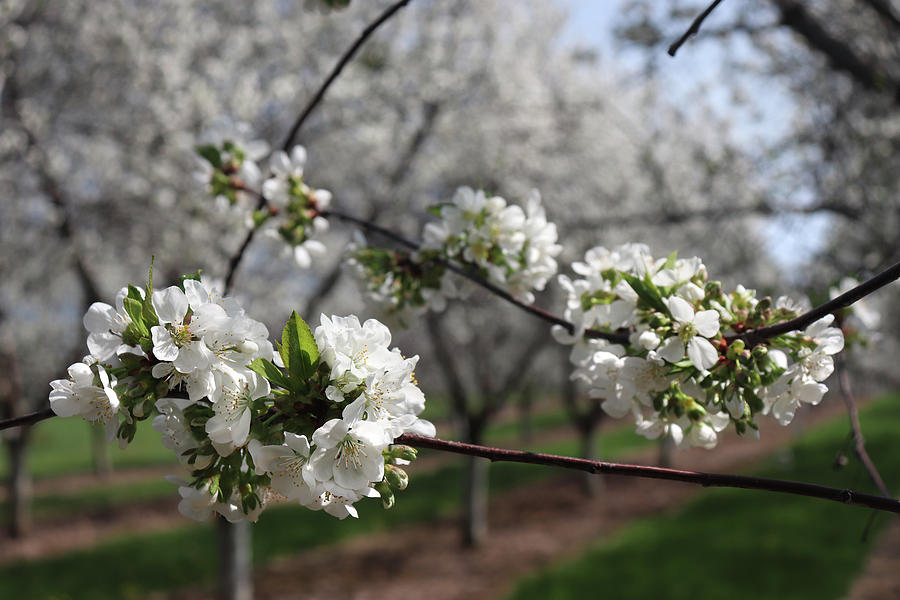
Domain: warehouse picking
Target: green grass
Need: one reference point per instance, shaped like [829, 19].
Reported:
[743, 544]
[101, 497]
[63, 446]
[131, 566]
[97, 499]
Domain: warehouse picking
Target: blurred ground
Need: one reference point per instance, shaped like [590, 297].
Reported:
[880, 579]
[531, 527]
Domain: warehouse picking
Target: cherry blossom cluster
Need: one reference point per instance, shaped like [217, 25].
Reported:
[686, 371]
[278, 200]
[313, 422]
[509, 246]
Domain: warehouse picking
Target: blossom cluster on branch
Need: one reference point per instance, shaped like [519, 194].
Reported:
[685, 371]
[511, 247]
[279, 200]
[313, 422]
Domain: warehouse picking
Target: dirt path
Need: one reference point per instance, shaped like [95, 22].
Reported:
[530, 528]
[55, 536]
[879, 578]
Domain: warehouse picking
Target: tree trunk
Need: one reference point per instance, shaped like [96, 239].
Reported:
[13, 404]
[590, 449]
[666, 451]
[19, 485]
[475, 495]
[100, 451]
[526, 413]
[235, 560]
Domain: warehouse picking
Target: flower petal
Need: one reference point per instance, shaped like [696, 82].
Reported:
[702, 354]
[680, 308]
[707, 323]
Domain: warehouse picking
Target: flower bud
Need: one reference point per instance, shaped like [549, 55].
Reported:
[387, 495]
[396, 477]
[658, 320]
[735, 349]
[648, 340]
[404, 452]
[713, 289]
[695, 411]
[759, 352]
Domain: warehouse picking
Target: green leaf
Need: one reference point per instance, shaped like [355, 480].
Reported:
[435, 209]
[195, 276]
[148, 312]
[646, 291]
[670, 261]
[135, 294]
[272, 373]
[298, 348]
[211, 154]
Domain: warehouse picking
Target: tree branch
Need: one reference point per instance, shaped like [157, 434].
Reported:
[844, 496]
[28, 419]
[762, 208]
[842, 57]
[342, 62]
[885, 11]
[694, 28]
[756, 336]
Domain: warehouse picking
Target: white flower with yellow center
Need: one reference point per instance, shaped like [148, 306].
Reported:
[349, 455]
[353, 351]
[105, 326]
[392, 399]
[79, 395]
[691, 330]
[179, 336]
[288, 467]
[233, 401]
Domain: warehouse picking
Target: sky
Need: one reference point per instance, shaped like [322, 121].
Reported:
[792, 239]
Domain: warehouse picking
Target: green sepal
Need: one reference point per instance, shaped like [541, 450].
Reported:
[135, 310]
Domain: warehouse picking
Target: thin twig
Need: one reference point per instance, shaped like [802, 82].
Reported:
[618, 338]
[346, 58]
[859, 442]
[694, 28]
[844, 496]
[238, 256]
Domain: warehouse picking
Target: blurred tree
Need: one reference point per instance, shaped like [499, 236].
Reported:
[836, 65]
